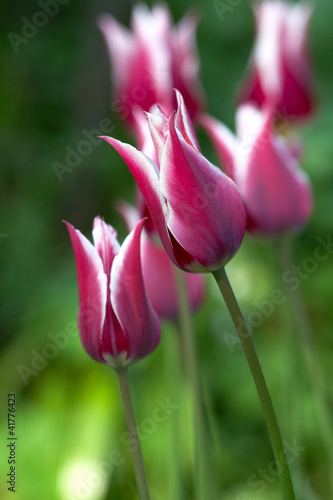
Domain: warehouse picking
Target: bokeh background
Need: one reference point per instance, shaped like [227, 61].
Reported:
[69, 418]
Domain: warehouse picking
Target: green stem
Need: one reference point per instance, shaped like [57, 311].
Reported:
[132, 430]
[259, 380]
[202, 481]
[308, 346]
[175, 387]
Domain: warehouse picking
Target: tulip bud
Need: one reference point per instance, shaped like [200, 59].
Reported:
[197, 210]
[117, 323]
[280, 73]
[151, 59]
[276, 192]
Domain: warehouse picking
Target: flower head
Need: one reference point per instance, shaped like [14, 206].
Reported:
[276, 192]
[279, 67]
[151, 59]
[117, 324]
[197, 210]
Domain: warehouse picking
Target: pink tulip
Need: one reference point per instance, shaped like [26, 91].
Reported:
[280, 71]
[117, 323]
[198, 211]
[150, 60]
[276, 192]
[159, 272]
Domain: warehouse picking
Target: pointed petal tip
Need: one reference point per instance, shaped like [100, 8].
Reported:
[98, 220]
[71, 228]
[139, 225]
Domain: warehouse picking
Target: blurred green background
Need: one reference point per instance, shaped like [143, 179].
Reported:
[69, 418]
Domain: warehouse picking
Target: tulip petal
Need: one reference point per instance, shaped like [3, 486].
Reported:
[158, 127]
[151, 39]
[297, 84]
[120, 44]
[105, 242]
[146, 175]
[224, 141]
[143, 137]
[204, 205]
[254, 128]
[185, 63]
[276, 192]
[113, 339]
[92, 283]
[137, 318]
[267, 52]
[129, 214]
[184, 124]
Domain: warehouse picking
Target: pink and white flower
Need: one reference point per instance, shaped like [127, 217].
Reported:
[151, 59]
[280, 73]
[197, 210]
[117, 323]
[276, 192]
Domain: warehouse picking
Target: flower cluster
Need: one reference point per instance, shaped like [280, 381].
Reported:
[190, 213]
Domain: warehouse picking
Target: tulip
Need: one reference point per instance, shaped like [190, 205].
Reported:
[197, 210]
[150, 60]
[117, 323]
[280, 71]
[276, 192]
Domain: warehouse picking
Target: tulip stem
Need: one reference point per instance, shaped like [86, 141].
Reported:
[259, 380]
[202, 481]
[132, 430]
[175, 387]
[308, 346]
